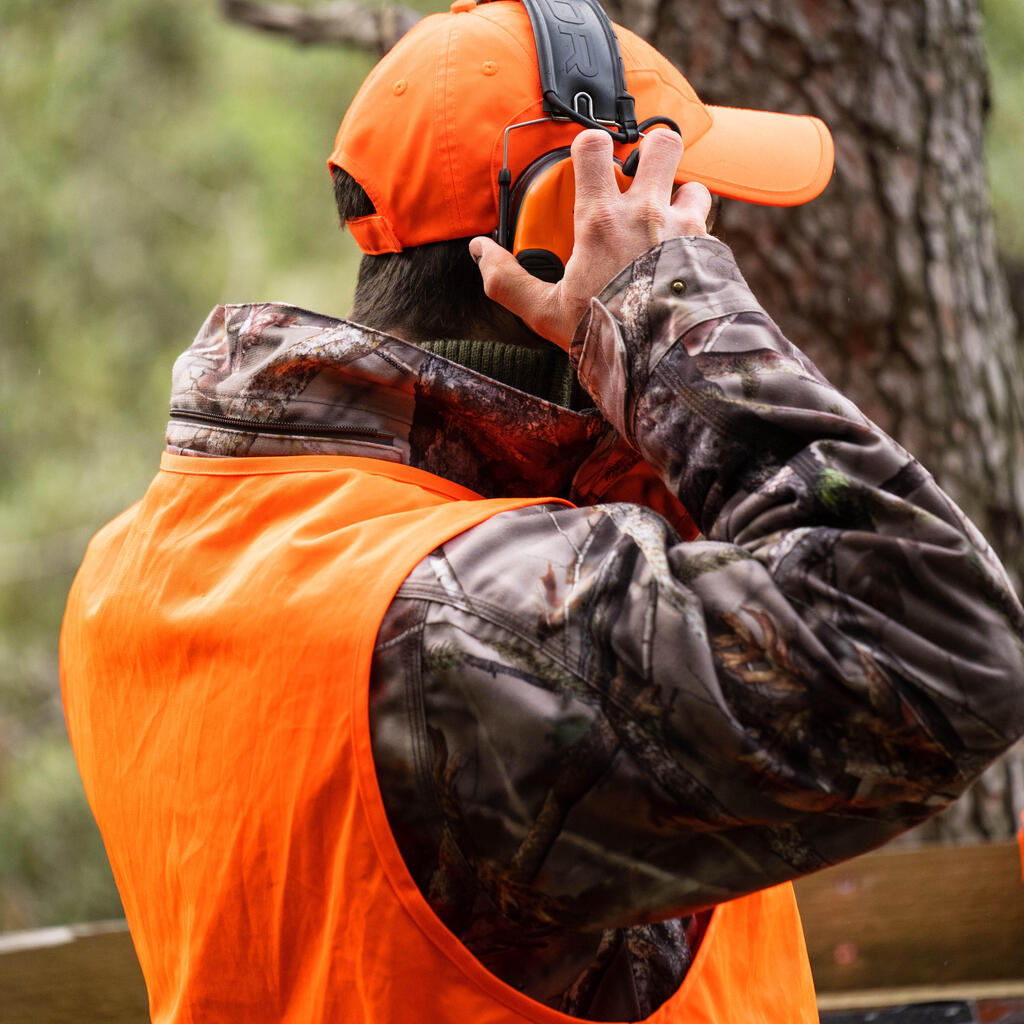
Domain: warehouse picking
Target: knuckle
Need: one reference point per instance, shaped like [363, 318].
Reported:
[591, 140]
[650, 211]
[599, 221]
[664, 139]
[691, 206]
[693, 193]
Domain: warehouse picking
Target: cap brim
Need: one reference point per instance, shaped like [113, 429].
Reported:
[761, 157]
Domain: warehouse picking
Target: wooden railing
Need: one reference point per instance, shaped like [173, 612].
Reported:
[920, 925]
[904, 926]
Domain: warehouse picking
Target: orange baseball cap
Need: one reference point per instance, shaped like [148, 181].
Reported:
[424, 134]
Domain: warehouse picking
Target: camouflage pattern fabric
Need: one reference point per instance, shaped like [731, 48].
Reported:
[587, 731]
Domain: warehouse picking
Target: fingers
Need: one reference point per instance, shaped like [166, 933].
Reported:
[508, 284]
[660, 153]
[691, 205]
[593, 168]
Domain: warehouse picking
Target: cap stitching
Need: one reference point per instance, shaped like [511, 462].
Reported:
[364, 179]
[529, 51]
[445, 177]
[454, 162]
[374, 234]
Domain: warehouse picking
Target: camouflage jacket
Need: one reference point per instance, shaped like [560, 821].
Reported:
[588, 731]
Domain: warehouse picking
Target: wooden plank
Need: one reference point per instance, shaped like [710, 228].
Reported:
[955, 1012]
[91, 976]
[869, 998]
[934, 915]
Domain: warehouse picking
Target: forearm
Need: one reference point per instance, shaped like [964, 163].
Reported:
[767, 456]
[629, 727]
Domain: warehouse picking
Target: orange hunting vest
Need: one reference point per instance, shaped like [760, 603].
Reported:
[215, 670]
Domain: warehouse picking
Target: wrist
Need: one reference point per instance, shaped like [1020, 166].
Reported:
[650, 306]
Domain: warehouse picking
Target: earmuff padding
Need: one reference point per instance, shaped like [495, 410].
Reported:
[542, 264]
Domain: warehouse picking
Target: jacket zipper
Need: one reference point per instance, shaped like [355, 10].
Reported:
[329, 430]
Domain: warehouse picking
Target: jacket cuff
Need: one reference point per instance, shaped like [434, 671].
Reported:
[649, 307]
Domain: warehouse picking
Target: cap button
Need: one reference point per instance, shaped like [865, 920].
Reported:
[461, 6]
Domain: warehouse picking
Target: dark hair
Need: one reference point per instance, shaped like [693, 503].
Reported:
[425, 291]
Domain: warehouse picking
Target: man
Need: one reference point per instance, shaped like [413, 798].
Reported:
[378, 728]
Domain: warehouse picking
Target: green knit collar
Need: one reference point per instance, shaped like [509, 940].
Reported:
[543, 371]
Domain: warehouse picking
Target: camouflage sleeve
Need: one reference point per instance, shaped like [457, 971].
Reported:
[582, 723]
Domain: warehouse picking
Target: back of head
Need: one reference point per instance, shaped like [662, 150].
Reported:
[463, 100]
[433, 290]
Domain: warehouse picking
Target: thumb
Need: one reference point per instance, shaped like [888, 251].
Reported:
[508, 284]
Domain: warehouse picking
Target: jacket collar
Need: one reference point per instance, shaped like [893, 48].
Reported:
[271, 379]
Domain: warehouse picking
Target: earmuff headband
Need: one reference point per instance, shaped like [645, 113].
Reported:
[581, 72]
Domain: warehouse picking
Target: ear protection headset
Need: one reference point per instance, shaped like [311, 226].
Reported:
[582, 80]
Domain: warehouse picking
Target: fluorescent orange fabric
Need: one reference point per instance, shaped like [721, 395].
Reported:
[424, 135]
[373, 235]
[215, 666]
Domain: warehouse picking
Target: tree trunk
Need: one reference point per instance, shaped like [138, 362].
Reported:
[890, 281]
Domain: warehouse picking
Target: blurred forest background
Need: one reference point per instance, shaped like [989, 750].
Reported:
[156, 160]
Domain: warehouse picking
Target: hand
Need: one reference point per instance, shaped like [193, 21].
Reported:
[612, 229]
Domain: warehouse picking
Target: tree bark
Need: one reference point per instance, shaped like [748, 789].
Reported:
[890, 281]
[338, 23]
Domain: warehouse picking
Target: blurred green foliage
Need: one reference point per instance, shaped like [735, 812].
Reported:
[1004, 45]
[153, 162]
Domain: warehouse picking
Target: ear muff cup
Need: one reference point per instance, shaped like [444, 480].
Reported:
[540, 213]
[535, 219]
